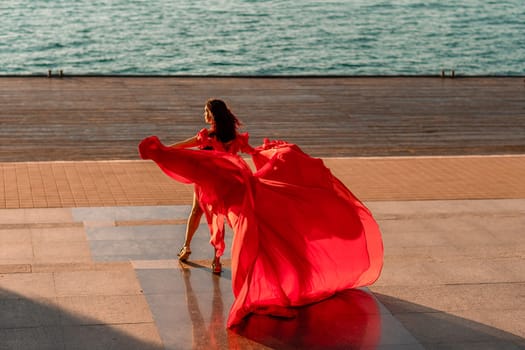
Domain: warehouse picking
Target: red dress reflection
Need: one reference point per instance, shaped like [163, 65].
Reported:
[299, 234]
[348, 320]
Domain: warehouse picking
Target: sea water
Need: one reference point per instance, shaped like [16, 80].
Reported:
[262, 37]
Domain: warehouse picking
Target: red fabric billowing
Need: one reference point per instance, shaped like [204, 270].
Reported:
[214, 218]
[299, 234]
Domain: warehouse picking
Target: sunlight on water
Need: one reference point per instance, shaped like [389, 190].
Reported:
[262, 37]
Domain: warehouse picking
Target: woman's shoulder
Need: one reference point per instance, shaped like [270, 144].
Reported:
[203, 134]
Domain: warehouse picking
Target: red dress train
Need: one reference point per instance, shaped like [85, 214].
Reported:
[299, 234]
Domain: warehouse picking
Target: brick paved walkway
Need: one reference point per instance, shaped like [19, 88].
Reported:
[124, 183]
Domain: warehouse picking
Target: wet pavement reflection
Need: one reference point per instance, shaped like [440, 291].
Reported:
[206, 335]
[350, 319]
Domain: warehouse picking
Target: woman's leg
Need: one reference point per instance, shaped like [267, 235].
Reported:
[216, 266]
[191, 227]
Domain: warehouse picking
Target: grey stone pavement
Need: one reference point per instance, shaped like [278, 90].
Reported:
[107, 277]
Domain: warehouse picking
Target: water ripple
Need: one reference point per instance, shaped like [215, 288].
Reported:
[262, 37]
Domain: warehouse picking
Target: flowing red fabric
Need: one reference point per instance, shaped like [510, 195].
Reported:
[299, 234]
[216, 218]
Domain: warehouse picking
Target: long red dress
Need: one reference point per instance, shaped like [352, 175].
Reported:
[215, 218]
[299, 234]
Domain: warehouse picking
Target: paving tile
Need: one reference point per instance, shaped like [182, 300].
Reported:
[58, 234]
[476, 345]
[104, 309]
[410, 233]
[480, 271]
[15, 268]
[116, 282]
[151, 222]
[168, 312]
[159, 249]
[395, 347]
[116, 213]
[61, 251]
[94, 213]
[506, 229]
[27, 285]
[438, 327]
[51, 215]
[22, 312]
[459, 254]
[16, 252]
[183, 298]
[33, 338]
[452, 298]
[142, 336]
[394, 333]
[509, 320]
[152, 212]
[405, 272]
[119, 250]
[155, 264]
[152, 232]
[9, 236]
[162, 232]
[11, 216]
[80, 266]
[148, 242]
[94, 224]
[408, 273]
[415, 208]
[167, 281]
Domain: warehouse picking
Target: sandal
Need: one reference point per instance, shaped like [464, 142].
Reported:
[184, 253]
[216, 267]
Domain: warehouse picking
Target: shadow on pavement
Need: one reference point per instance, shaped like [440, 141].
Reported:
[27, 324]
[436, 329]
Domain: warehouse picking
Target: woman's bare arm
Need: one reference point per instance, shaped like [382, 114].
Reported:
[191, 142]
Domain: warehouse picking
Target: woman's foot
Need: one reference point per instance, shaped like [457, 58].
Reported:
[216, 266]
[184, 253]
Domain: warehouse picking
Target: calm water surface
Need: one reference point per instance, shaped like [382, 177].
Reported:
[245, 37]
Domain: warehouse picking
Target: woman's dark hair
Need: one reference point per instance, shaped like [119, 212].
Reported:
[225, 124]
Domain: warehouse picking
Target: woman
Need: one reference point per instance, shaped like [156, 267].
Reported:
[222, 136]
[300, 235]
